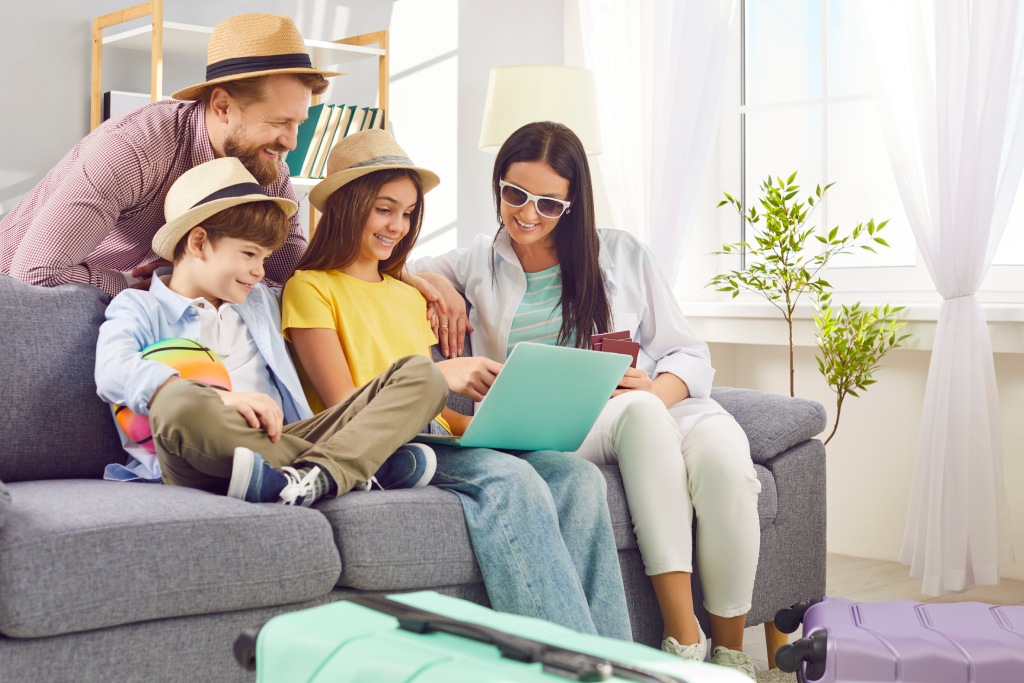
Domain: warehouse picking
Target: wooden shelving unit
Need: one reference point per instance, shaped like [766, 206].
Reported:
[165, 38]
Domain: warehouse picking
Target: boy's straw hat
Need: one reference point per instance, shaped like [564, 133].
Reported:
[250, 45]
[204, 190]
[365, 152]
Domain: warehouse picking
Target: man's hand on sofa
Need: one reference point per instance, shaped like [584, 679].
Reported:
[259, 410]
[471, 376]
[143, 274]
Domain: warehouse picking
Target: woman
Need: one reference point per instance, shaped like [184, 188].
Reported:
[549, 275]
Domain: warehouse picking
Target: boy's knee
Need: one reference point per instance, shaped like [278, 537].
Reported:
[177, 403]
[424, 372]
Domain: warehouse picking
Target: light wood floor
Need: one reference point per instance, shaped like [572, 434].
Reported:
[875, 580]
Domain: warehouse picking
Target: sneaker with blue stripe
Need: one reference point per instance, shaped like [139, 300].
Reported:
[411, 466]
[255, 481]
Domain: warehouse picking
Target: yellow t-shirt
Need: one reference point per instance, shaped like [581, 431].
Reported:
[377, 322]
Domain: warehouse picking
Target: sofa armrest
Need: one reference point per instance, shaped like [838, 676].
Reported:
[773, 423]
[5, 503]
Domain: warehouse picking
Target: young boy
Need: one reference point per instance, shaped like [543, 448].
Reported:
[260, 441]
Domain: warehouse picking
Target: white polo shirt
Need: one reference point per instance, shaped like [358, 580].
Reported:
[226, 334]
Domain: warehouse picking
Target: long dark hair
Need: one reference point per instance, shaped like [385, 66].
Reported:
[338, 235]
[585, 307]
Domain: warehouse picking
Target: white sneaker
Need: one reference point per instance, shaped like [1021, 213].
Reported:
[734, 659]
[697, 652]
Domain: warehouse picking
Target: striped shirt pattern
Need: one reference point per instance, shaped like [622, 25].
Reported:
[539, 316]
[93, 217]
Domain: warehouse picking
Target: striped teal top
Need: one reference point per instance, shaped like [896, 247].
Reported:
[539, 316]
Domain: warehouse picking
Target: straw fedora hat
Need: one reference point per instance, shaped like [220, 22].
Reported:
[365, 152]
[204, 190]
[250, 45]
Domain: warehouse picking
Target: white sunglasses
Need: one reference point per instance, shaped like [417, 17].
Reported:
[515, 196]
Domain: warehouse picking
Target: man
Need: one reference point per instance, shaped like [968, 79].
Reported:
[93, 217]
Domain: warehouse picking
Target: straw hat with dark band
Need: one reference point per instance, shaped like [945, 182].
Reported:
[250, 45]
[361, 153]
[204, 190]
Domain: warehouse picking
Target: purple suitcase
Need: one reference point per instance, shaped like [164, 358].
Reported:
[904, 642]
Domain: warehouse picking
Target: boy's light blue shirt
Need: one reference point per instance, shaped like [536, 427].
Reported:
[137, 318]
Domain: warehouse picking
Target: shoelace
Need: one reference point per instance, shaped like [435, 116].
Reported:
[298, 487]
[368, 485]
[723, 656]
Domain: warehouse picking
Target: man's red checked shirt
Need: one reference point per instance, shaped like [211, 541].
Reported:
[93, 217]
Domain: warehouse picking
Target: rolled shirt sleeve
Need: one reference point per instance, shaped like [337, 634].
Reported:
[663, 333]
[122, 375]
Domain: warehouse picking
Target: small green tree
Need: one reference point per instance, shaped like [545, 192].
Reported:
[852, 342]
[784, 264]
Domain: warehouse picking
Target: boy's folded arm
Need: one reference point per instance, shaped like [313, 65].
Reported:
[122, 376]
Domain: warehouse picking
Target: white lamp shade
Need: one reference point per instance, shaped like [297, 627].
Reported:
[517, 95]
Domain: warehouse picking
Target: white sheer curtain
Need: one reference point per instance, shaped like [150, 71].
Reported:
[944, 83]
[658, 66]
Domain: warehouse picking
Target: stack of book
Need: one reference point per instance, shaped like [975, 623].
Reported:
[325, 125]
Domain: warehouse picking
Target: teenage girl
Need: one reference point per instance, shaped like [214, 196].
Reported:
[348, 317]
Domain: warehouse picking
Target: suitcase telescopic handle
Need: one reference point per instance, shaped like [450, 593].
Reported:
[578, 666]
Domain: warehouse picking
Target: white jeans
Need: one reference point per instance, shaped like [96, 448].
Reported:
[668, 477]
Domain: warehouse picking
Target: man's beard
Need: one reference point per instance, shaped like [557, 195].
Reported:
[264, 170]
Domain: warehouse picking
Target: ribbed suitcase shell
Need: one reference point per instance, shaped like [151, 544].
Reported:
[913, 642]
[347, 643]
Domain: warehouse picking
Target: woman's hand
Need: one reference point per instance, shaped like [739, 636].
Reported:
[472, 376]
[669, 388]
[634, 380]
[452, 322]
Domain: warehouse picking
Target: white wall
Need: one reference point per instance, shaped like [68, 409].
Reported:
[494, 34]
[871, 459]
[441, 55]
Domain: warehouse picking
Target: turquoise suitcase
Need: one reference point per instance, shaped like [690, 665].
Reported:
[431, 638]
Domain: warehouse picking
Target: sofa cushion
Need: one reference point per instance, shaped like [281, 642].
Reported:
[54, 426]
[81, 554]
[773, 423]
[5, 503]
[401, 540]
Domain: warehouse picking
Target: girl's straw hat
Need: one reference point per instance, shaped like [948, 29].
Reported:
[250, 45]
[365, 152]
[204, 190]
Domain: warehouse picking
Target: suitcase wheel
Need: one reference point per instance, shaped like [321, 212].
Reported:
[788, 619]
[245, 648]
[811, 650]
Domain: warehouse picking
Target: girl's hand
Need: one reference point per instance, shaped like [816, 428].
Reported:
[472, 376]
[634, 380]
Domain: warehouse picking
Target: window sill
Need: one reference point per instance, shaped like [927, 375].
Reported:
[758, 322]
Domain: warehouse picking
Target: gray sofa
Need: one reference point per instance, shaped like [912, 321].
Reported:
[103, 581]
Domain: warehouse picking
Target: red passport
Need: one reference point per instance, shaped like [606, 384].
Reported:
[616, 342]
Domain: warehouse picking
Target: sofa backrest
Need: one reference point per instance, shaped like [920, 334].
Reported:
[54, 426]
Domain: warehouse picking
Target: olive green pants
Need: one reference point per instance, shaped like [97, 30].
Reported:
[196, 434]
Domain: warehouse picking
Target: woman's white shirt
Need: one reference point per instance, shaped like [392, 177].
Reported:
[489, 274]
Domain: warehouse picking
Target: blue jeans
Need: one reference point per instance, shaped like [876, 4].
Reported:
[542, 535]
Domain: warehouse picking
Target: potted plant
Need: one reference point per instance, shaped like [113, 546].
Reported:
[785, 259]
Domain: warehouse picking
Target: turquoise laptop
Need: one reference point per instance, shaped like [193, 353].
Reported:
[545, 398]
